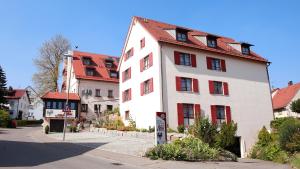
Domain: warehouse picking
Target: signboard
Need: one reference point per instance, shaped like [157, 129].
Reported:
[58, 113]
[161, 128]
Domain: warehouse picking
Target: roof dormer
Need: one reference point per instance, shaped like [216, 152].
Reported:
[181, 35]
[109, 62]
[242, 47]
[208, 40]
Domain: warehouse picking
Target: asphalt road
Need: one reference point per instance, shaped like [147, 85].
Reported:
[29, 148]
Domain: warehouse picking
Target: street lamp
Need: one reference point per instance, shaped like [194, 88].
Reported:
[69, 62]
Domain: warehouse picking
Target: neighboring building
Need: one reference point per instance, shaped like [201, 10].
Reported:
[188, 73]
[95, 79]
[282, 99]
[18, 100]
[36, 105]
[54, 104]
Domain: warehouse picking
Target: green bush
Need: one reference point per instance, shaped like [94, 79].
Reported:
[264, 137]
[28, 122]
[226, 136]
[270, 152]
[275, 124]
[151, 129]
[295, 106]
[169, 130]
[289, 135]
[187, 149]
[204, 130]
[180, 128]
[47, 129]
[4, 118]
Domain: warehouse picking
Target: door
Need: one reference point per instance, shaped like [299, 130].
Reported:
[56, 125]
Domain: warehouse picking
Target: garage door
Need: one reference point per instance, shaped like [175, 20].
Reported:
[56, 125]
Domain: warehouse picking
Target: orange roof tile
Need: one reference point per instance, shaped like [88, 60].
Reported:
[284, 96]
[60, 96]
[16, 94]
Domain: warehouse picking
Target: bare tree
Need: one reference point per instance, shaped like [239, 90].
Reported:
[48, 64]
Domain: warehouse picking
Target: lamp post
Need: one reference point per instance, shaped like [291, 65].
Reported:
[66, 109]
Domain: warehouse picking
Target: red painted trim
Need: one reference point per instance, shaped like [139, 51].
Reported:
[228, 114]
[223, 65]
[213, 114]
[177, 57]
[142, 65]
[151, 85]
[195, 86]
[226, 91]
[211, 87]
[142, 89]
[180, 114]
[178, 83]
[209, 63]
[194, 61]
[197, 111]
[150, 59]
[129, 93]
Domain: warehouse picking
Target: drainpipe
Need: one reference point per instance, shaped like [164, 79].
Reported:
[267, 69]
[162, 82]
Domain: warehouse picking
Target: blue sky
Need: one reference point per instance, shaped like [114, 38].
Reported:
[101, 26]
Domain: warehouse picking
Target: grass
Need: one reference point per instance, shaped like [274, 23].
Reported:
[295, 162]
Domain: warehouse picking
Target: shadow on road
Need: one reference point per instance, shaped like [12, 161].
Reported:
[22, 154]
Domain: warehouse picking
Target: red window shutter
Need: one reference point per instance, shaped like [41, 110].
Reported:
[123, 97]
[129, 72]
[223, 65]
[228, 114]
[178, 83]
[151, 84]
[197, 111]
[225, 85]
[209, 62]
[123, 76]
[142, 88]
[211, 87]
[177, 57]
[180, 114]
[213, 114]
[143, 43]
[150, 59]
[132, 52]
[142, 65]
[194, 61]
[129, 93]
[125, 56]
[195, 86]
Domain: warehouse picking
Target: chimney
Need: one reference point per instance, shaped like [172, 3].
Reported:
[290, 83]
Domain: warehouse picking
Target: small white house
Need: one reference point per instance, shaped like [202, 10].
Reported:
[282, 99]
[188, 73]
[18, 100]
[36, 105]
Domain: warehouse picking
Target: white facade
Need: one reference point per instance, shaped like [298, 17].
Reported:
[286, 111]
[35, 111]
[19, 107]
[249, 91]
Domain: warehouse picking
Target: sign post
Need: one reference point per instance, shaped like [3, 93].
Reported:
[161, 128]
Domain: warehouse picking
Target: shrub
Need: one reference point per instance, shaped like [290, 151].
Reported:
[180, 128]
[144, 130]
[264, 137]
[169, 130]
[28, 122]
[12, 124]
[270, 152]
[275, 124]
[204, 130]
[151, 129]
[289, 135]
[187, 149]
[226, 136]
[295, 106]
[47, 129]
[4, 118]
[73, 129]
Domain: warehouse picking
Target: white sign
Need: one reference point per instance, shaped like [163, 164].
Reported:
[161, 128]
[59, 113]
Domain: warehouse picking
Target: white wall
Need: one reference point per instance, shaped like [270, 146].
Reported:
[249, 93]
[21, 104]
[142, 108]
[287, 112]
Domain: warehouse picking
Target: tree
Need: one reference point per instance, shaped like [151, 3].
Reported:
[2, 85]
[226, 136]
[48, 63]
[295, 106]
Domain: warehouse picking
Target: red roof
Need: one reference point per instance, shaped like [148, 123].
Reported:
[60, 96]
[285, 95]
[16, 94]
[99, 66]
[158, 31]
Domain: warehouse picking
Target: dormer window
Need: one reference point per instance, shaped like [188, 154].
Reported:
[90, 72]
[212, 42]
[245, 49]
[181, 35]
[113, 74]
[109, 62]
[87, 61]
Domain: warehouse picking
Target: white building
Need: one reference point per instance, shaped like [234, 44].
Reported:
[95, 79]
[282, 99]
[19, 102]
[36, 105]
[188, 73]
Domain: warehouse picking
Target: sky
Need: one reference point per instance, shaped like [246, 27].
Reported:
[100, 26]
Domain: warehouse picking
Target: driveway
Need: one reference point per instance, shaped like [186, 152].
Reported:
[29, 148]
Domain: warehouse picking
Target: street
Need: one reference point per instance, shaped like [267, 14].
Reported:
[28, 147]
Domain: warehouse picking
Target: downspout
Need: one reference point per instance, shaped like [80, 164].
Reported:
[267, 68]
[162, 82]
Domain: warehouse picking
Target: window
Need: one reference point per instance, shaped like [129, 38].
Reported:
[188, 114]
[97, 108]
[147, 87]
[211, 42]
[142, 43]
[90, 72]
[84, 107]
[220, 114]
[48, 105]
[54, 105]
[110, 94]
[186, 84]
[218, 87]
[185, 59]
[113, 74]
[216, 64]
[98, 93]
[126, 95]
[245, 50]
[127, 116]
[87, 61]
[146, 62]
[129, 53]
[181, 36]
[60, 105]
[72, 106]
[127, 74]
[109, 107]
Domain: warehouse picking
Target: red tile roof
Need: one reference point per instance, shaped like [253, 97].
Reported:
[99, 61]
[157, 30]
[16, 94]
[60, 96]
[284, 96]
